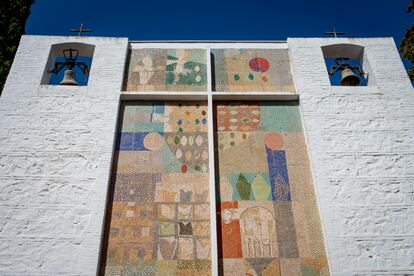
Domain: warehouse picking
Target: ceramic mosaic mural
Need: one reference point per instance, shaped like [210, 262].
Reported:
[252, 70]
[166, 70]
[159, 221]
[269, 220]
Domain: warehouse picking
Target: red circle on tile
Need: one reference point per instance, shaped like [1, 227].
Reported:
[259, 64]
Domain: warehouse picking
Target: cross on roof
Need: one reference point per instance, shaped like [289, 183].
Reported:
[334, 32]
[80, 30]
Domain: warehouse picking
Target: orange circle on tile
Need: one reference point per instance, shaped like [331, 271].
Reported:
[273, 141]
[153, 141]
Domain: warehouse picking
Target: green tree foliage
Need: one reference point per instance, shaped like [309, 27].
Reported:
[13, 15]
[407, 43]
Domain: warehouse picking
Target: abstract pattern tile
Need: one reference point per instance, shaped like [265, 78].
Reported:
[252, 70]
[166, 70]
[160, 217]
[269, 222]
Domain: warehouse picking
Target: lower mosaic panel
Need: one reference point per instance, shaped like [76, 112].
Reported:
[269, 221]
[159, 218]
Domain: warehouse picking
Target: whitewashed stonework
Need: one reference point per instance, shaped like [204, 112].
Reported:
[361, 145]
[57, 143]
[56, 149]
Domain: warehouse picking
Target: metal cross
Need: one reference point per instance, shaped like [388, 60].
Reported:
[334, 32]
[80, 30]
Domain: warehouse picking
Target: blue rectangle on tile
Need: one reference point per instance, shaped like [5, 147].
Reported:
[132, 141]
[126, 141]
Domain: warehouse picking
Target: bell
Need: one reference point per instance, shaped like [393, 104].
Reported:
[69, 78]
[349, 78]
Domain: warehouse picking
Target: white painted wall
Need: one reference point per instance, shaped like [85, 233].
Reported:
[56, 147]
[361, 141]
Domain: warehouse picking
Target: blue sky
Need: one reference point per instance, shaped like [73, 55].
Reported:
[221, 19]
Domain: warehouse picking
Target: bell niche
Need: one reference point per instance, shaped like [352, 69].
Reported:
[347, 65]
[68, 64]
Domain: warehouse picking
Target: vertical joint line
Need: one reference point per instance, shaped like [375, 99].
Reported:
[209, 72]
[213, 223]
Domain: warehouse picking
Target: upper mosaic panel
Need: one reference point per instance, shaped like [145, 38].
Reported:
[166, 70]
[252, 70]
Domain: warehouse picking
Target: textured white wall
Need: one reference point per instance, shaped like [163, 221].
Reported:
[56, 147]
[361, 141]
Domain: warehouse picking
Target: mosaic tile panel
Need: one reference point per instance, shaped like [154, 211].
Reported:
[269, 221]
[252, 70]
[160, 215]
[166, 70]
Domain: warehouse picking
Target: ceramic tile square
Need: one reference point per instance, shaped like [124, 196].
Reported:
[166, 70]
[252, 70]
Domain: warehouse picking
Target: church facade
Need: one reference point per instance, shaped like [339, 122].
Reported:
[206, 158]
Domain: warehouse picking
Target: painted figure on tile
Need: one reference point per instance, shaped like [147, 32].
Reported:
[202, 196]
[258, 232]
[177, 62]
[167, 248]
[182, 69]
[145, 70]
[226, 190]
[230, 232]
[203, 248]
[278, 173]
